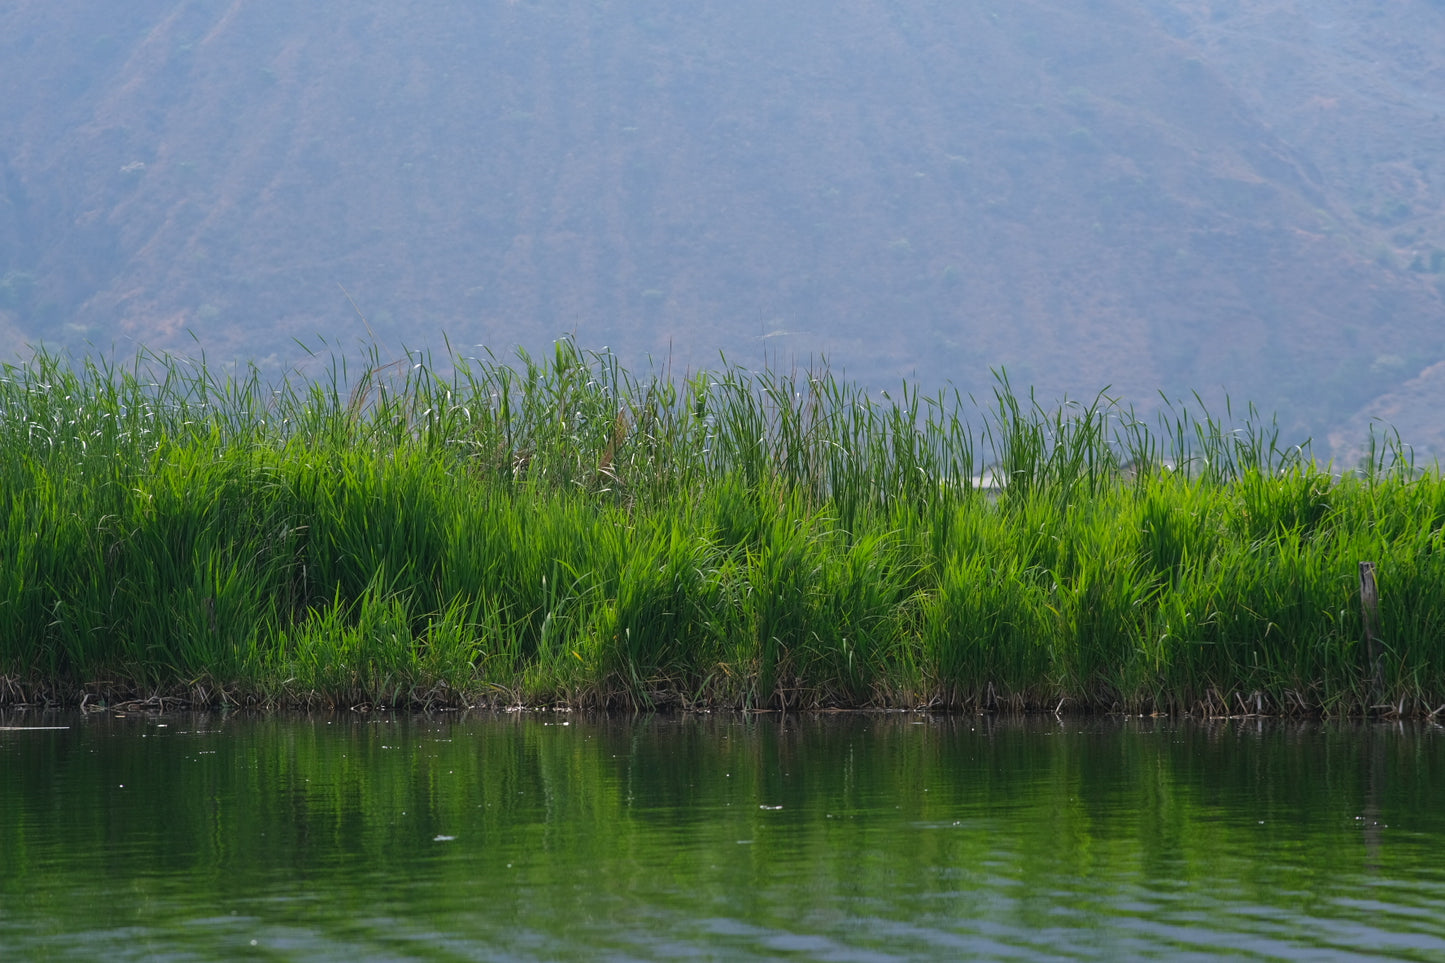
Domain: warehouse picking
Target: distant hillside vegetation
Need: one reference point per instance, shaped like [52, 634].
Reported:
[1240, 197]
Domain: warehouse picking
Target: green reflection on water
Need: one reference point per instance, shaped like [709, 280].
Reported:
[547, 836]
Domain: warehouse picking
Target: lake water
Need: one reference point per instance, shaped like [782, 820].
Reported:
[545, 836]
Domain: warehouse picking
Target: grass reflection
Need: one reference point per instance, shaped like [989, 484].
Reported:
[567, 834]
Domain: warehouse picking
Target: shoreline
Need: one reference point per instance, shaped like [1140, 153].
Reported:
[17, 695]
[562, 532]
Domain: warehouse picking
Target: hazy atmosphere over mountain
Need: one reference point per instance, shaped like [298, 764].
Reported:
[1237, 196]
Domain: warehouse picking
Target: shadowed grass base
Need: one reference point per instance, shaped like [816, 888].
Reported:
[560, 532]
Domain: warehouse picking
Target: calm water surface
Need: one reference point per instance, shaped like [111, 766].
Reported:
[869, 838]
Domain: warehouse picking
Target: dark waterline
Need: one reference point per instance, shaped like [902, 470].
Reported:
[850, 837]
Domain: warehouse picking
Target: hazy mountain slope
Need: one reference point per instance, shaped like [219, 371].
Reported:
[1118, 192]
[1363, 88]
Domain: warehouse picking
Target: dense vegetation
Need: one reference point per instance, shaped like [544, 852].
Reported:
[561, 530]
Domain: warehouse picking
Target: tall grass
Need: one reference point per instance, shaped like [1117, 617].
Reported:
[560, 529]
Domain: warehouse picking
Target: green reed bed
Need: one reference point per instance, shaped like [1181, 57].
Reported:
[560, 530]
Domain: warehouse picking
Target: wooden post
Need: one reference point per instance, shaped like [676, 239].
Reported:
[1370, 616]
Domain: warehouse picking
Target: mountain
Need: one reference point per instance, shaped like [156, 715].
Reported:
[1232, 197]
